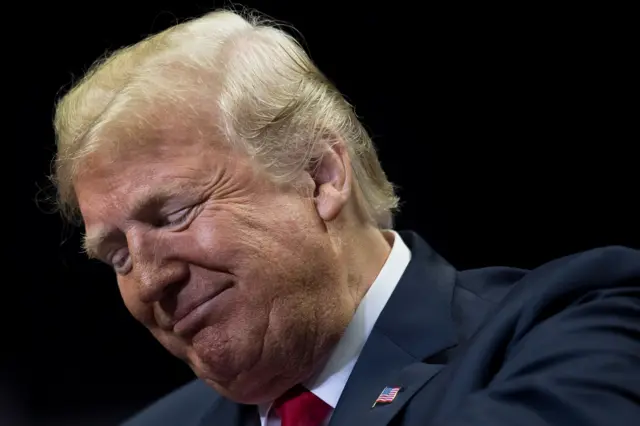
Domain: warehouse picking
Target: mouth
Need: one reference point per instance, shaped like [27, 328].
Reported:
[193, 321]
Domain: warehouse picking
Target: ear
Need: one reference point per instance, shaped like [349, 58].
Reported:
[333, 180]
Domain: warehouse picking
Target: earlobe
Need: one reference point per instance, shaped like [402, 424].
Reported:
[328, 203]
[332, 179]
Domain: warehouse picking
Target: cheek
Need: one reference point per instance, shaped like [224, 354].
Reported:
[213, 240]
[271, 248]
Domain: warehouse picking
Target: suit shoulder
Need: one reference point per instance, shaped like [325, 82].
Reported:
[603, 267]
[571, 281]
[477, 291]
[489, 284]
[528, 296]
[184, 406]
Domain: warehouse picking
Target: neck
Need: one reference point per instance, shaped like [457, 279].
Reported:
[365, 254]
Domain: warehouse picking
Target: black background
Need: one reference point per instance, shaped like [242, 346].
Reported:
[510, 131]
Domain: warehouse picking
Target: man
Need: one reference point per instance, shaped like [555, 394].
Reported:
[244, 211]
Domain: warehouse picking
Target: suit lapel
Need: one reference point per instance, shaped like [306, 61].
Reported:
[387, 365]
[410, 379]
[415, 324]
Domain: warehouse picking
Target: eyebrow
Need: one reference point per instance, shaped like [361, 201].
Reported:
[95, 238]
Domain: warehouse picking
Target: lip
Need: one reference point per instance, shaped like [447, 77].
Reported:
[190, 322]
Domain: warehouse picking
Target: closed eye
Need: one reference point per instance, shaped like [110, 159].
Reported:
[121, 261]
[177, 218]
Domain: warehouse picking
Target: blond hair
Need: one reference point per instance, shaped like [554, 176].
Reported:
[251, 80]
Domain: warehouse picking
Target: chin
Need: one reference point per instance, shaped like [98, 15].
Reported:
[234, 377]
[254, 382]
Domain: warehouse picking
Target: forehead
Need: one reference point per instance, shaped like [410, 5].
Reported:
[129, 167]
[155, 136]
[120, 186]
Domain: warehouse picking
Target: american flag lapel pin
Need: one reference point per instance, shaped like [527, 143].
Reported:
[387, 395]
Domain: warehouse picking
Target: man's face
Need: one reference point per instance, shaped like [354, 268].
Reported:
[231, 273]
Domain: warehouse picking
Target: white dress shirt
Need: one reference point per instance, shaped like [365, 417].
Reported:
[329, 384]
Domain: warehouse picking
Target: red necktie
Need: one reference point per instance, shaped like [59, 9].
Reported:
[300, 407]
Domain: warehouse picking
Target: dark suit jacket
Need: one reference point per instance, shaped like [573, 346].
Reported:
[558, 345]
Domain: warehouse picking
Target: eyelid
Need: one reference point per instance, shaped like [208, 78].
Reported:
[124, 256]
[115, 257]
[178, 216]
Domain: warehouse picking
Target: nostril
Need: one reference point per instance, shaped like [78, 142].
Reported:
[169, 302]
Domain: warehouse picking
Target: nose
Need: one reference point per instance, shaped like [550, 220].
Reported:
[157, 269]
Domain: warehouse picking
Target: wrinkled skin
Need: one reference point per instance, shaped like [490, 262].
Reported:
[277, 272]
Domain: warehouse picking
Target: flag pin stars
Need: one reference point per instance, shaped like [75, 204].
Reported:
[387, 395]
